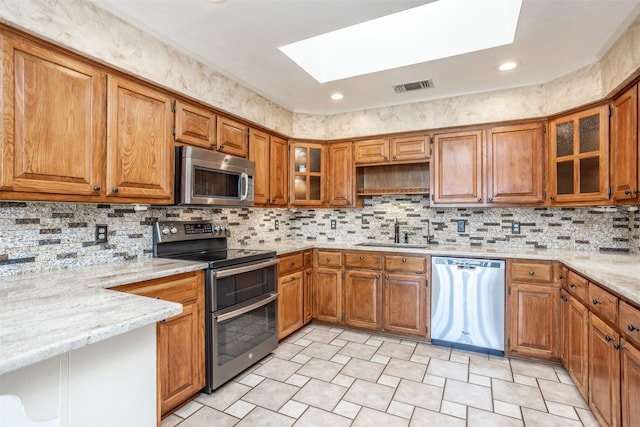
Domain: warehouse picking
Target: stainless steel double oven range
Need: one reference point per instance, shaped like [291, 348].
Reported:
[240, 294]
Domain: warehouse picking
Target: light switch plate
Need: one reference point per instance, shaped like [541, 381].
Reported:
[277, 225]
[333, 224]
[515, 227]
[461, 226]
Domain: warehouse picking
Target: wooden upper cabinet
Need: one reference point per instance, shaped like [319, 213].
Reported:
[54, 121]
[412, 148]
[515, 164]
[278, 172]
[457, 168]
[194, 125]
[579, 157]
[308, 173]
[259, 148]
[624, 146]
[371, 151]
[139, 160]
[340, 176]
[270, 155]
[233, 137]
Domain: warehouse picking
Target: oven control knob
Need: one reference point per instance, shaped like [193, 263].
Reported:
[173, 230]
[217, 229]
[226, 228]
[165, 231]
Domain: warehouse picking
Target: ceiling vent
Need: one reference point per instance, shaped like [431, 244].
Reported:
[406, 87]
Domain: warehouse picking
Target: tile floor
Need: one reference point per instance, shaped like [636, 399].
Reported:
[326, 376]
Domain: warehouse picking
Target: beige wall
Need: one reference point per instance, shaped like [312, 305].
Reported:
[82, 26]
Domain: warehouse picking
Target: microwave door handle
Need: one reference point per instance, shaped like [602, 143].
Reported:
[244, 186]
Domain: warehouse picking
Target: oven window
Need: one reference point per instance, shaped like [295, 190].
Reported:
[212, 183]
[244, 286]
[240, 334]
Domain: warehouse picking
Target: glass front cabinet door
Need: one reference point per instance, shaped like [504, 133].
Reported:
[579, 157]
[307, 174]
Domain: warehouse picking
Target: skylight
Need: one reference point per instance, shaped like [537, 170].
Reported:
[435, 30]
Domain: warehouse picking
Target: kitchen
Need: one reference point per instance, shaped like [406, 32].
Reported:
[50, 235]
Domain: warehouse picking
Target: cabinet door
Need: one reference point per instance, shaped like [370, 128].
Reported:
[630, 385]
[624, 145]
[259, 149]
[182, 374]
[575, 342]
[362, 299]
[290, 304]
[457, 168]
[604, 372]
[515, 164]
[411, 148]
[340, 176]
[278, 172]
[308, 295]
[327, 295]
[371, 151]
[232, 137]
[405, 306]
[139, 160]
[54, 131]
[534, 321]
[308, 174]
[579, 157]
[194, 125]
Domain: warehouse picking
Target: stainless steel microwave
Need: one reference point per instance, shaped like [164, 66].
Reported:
[208, 178]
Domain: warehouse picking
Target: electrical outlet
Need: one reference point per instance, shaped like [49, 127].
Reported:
[515, 227]
[277, 224]
[461, 226]
[101, 233]
[333, 224]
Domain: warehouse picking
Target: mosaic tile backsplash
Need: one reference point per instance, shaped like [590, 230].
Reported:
[44, 236]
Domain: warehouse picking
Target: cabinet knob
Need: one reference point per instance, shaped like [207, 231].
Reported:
[479, 199]
[114, 189]
[377, 276]
[404, 260]
[595, 302]
[361, 258]
[96, 188]
[213, 145]
[627, 192]
[328, 259]
[561, 277]
[490, 199]
[637, 191]
[532, 273]
[394, 157]
[292, 263]
[221, 147]
[552, 197]
[632, 328]
[348, 202]
[572, 285]
[617, 346]
[607, 338]
[163, 321]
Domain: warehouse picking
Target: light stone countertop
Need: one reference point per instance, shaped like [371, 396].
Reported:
[46, 314]
[619, 272]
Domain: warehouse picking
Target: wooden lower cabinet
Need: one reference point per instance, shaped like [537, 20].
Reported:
[533, 324]
[575, 341]
[362, 299]
[630, 362]
[180, 339]
[604, 372]
[405, 304]
[290, 303]
[307, 295]
[327, 295]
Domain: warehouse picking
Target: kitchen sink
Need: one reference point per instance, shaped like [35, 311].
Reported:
[392, 245]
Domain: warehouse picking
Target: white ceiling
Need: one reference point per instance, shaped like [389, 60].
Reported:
[240, 38]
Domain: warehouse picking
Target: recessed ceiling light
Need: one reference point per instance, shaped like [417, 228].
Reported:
[506, 66]
[337, 96]
[409, 37]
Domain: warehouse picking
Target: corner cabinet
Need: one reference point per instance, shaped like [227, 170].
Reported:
[139, 156]
[53, 121]
[625, 156]
[180, 339]
[579, 157]
[308, 174]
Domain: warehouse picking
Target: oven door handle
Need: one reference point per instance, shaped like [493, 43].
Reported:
[244, 269]
[243, 310]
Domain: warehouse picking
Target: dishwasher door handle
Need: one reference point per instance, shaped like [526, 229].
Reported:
[466, 267]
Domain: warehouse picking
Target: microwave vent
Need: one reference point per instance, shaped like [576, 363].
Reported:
[406, 87]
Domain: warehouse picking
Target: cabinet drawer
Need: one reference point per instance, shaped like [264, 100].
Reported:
[362, 260]
[308, 259]
[603, 303]
[180, 288]
[409, 264]
[532, 271]
[577, 286]
[329, 259]
[290, 263]
[629, 322]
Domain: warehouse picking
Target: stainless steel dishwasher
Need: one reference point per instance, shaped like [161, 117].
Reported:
[467, 303]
